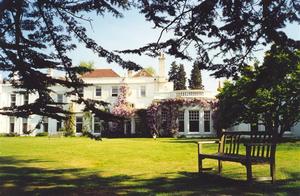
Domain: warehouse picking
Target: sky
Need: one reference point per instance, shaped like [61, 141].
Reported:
[133, 31]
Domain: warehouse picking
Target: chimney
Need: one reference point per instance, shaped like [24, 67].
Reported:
[162, 65]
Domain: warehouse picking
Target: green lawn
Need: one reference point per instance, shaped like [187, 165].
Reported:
[76, 166]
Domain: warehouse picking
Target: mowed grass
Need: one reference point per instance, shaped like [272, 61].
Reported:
[166, 166]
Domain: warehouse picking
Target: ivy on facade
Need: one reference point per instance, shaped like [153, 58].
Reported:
[170, 108]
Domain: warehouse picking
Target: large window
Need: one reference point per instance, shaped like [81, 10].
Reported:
[181, 121]
[207, 121]
[25, 125]
[11, 124]
[114, 91]
[194, 121]
[97, 125]
[26, 99]
[13, 100]
[164, 118]
[45, 124]
[143, 91]
[79, 122]
[60, 98]
[98, 91]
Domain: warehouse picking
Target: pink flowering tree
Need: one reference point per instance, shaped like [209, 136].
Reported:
[122, 107]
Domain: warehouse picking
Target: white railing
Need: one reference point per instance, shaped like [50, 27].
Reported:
[185, 94]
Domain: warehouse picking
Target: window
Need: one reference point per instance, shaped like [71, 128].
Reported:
[60, 98]
[26, 99]
[80, 91]
[143, 91]
[206, 121]
[45, 124]
[11, 124]
[181, 121]
[194, 121]
[97, 125]
[98, 91]
[114, 91]
[164, 116]
[58, 125]
[25, 125]
[13, 100]
[79, 122]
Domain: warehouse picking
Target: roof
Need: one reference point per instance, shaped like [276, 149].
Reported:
[142, 73]
[98, 73]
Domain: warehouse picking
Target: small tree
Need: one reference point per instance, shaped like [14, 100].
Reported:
[196, 79]
[87, 121]
[150, 70]
[173, 74]
[69, 123]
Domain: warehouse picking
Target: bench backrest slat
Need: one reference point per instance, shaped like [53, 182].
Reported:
[230, 143]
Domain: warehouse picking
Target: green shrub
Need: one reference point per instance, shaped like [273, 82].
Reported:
[42, 134]
[9, 134]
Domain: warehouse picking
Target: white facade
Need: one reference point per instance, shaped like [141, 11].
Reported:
[143, 90]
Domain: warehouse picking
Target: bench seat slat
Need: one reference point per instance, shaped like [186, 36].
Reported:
[234, 158]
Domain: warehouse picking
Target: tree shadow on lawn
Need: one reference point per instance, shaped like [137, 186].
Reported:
[17, 179]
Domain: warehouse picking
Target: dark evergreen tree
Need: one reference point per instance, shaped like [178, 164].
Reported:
[196, 79]
[233, 28]
[178, 76]
[181, 83]
[173, 73]
[36, 35]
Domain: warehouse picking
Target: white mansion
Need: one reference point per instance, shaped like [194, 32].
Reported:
[144, 90]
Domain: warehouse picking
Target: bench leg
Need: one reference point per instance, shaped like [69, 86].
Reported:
[249, 172]
[272, 171]
[200, 166]
[219, 166]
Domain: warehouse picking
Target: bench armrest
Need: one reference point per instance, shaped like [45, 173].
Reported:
[208, 142]
[205, 142]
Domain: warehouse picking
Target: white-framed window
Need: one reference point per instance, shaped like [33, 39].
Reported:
[25, 124]
[97, 125]
[114, 91]
[60, 98]
[98, 91]
[143, 91]
[194, 120]
[26, 99]
[13, 100]
[79, 123]
[11, 124]
[181, 121]
[207, 121]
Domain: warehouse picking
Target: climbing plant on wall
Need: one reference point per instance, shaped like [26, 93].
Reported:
[171, 109]
[123, 108]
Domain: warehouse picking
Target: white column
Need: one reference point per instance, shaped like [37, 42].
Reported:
[132, 125]
[186, 121]
[201, 121]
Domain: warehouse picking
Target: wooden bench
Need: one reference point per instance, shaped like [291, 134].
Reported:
[260, 149]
